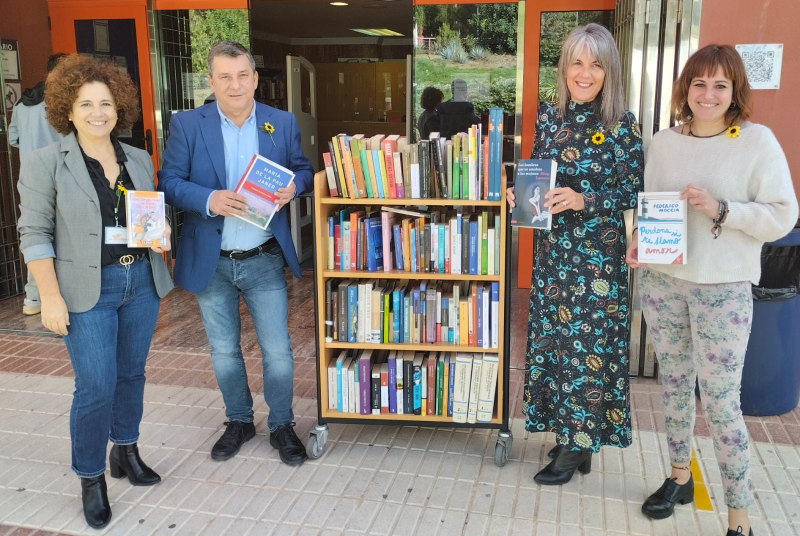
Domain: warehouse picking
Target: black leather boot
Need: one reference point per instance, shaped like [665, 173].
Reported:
[738, 532]
[553, 452]
[94, 495]
[124, 460]
[561, 469]
[661, 504]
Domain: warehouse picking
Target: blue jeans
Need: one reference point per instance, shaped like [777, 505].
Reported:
[262, 283]
[108, 346]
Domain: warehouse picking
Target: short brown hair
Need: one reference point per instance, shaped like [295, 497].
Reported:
[71, 74]
[705, 62]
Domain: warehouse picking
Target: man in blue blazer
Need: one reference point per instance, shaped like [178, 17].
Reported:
[221, 257]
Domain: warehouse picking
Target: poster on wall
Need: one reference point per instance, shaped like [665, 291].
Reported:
[10, 59]
[12, 92]
[763, 65]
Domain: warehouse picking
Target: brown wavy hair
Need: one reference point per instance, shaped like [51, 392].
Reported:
[705, 62]
[69, 76]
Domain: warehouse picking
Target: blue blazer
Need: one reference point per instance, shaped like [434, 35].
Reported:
[194, 166]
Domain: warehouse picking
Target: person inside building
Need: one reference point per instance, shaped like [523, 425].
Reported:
[100, 295]
[735, 177]
[428, 120]
[456, 114]
[577, 351]
[222, 258]
[29, 130]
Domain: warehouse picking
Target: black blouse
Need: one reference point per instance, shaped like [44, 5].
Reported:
[107, 196]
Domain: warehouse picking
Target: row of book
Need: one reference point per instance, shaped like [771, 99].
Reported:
[373, 382]
[373, 311]
[466, 167]
[445, 242]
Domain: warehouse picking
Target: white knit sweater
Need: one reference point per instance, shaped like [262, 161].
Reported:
[751, 173]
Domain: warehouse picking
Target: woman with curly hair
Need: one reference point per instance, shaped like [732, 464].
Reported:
[99, 294]
[430, 100]
[577, 353]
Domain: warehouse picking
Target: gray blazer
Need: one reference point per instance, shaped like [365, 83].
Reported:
[60, 218]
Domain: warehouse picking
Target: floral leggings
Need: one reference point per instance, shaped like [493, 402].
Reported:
[702, 331]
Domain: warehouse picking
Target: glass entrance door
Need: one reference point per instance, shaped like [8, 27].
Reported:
[115, 32]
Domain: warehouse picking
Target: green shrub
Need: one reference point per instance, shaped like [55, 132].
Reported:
[478, 53]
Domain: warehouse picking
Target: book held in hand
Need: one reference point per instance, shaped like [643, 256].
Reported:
[146, 217]
[662, 228]
[258, 185]
[533, 179]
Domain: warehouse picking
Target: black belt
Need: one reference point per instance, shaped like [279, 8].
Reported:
[241, 255]
[127, 260]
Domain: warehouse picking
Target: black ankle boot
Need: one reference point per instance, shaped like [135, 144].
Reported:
[94, 495]
[661, 504]
[561, 469]
[124, 460]
[553, 452]
[738, 532]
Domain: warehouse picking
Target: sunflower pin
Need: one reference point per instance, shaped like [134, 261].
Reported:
[598, 138]
[269, 129]
[733, 131]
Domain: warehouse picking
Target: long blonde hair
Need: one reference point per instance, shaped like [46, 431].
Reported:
[610, 105]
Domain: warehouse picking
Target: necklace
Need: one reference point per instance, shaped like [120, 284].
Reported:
[693, 135]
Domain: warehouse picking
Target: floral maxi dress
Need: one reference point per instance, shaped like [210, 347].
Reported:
[578, 331]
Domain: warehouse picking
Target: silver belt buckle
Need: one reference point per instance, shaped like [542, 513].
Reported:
[127, 260]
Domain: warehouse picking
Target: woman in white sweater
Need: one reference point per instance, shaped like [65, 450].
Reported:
[736, 180]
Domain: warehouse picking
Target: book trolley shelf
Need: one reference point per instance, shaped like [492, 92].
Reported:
[324, 206]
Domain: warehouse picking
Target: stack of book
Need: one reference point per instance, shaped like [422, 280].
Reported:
[466, 167]
[407, 312]
[414, 241]
[445, 384]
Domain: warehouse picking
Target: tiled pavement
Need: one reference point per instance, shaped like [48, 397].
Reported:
[372, 480]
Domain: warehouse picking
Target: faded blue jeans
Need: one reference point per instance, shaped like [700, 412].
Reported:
[261, 281]
[108, 346]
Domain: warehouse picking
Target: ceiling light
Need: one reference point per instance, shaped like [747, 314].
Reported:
[338, 4]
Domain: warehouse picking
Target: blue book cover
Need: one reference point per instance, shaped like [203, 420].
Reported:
[376, 162]
[352, 312]
[258, 186]
[417, 389]
[480, 316]
[473, 247]
[398, 246]
[413, 250]
[442, 230]
[495, 151]
[344, 218]
[395, 315]
[406, 323]
[451, 391]
[392, 383]
[374, 244]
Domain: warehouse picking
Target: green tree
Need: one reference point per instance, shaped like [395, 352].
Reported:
[494, 27]
[212, 25]
[557, 25]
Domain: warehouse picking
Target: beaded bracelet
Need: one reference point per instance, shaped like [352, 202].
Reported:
[722, 215]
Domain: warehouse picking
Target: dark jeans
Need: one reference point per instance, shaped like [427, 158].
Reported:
[108, 347]
[262, 282]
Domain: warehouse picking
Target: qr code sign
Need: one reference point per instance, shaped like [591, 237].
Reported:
[763, 65]
[759, 65]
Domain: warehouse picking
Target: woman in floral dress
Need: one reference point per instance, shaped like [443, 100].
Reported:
[577, 352]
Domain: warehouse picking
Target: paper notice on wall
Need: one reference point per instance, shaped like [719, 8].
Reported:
[763, 65]
[12, 92]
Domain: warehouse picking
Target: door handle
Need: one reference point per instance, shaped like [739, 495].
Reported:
[148, 141]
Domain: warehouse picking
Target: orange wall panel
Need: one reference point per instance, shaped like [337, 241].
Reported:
[28, 26]
[767, 23]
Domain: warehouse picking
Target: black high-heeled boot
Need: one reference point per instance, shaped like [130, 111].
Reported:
[94, 495]
[661, 504]
[124, 460]
[553, 452]
[561, 469]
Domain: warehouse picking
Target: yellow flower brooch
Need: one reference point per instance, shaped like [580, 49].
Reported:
[733, 131]
[598, 138]
[269, 129]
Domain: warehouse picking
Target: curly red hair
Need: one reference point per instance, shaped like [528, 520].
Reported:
[72, 72]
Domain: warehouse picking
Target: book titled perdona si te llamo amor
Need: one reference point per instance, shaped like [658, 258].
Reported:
[146, 217]
[662, 228]
[258, 185]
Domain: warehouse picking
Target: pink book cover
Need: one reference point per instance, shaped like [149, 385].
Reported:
[389, 148]
[387, 220]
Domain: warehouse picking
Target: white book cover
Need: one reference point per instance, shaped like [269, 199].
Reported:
[362, 322]
[662, 228]
[332, 386]
[461, 386]
[368, 331]
[346, 384]
[435, 246]
[488, 386]
[414, 180]
[472, 412]
[353, 393]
